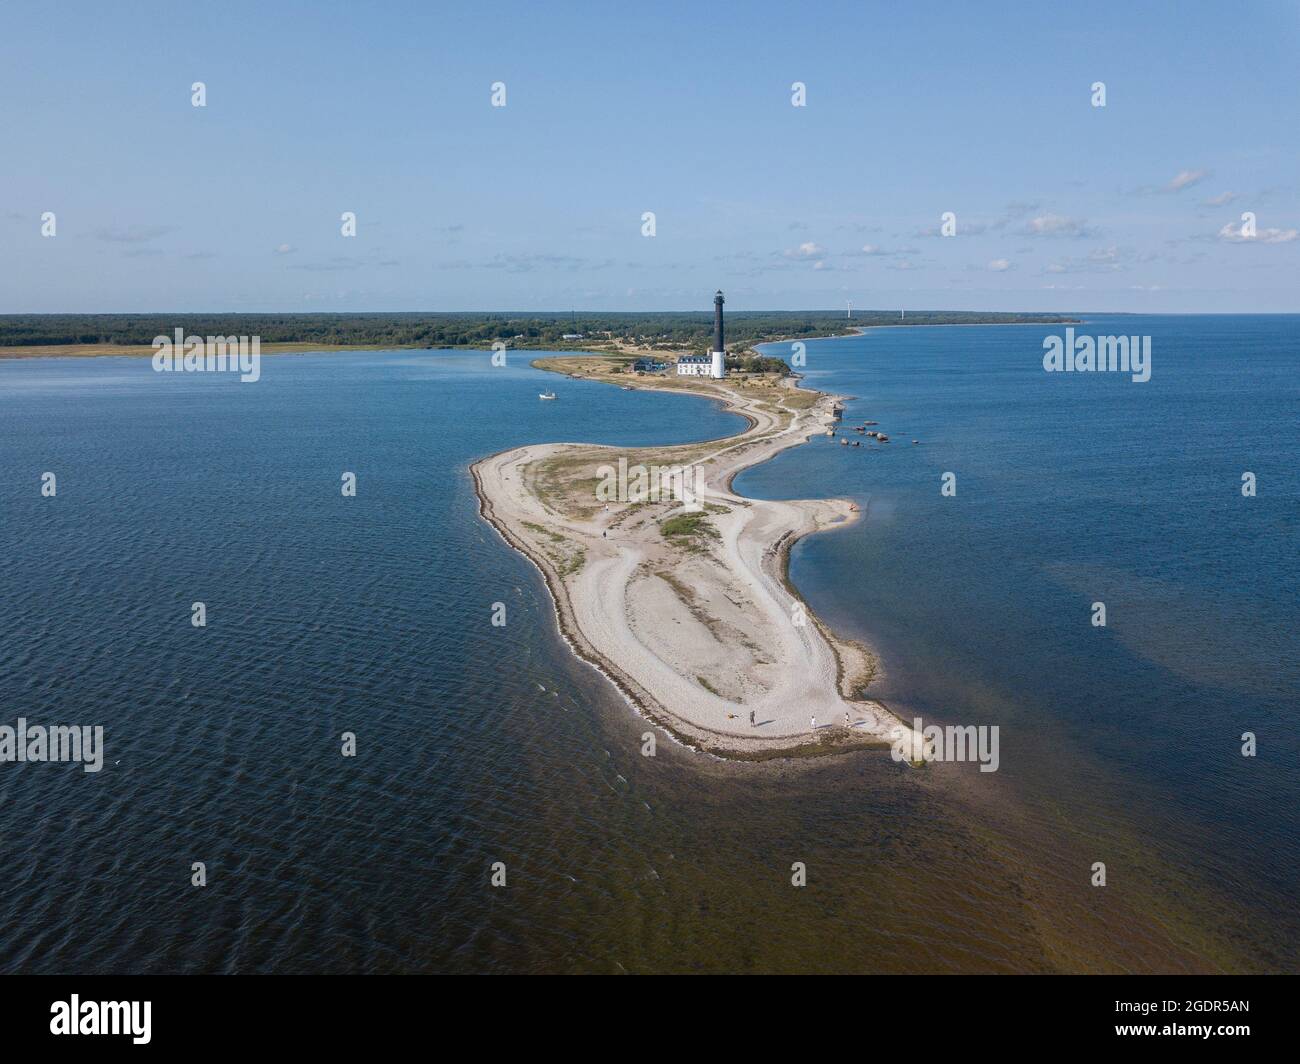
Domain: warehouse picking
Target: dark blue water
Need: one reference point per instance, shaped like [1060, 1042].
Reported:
[479, 744]
[1074, 489]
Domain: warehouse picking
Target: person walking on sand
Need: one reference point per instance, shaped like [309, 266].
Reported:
[813, 723]
[751, 718]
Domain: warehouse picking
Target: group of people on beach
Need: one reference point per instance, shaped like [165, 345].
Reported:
[812, 721]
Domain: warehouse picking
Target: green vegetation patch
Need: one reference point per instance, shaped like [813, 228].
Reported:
[555, 536]
[687, 526]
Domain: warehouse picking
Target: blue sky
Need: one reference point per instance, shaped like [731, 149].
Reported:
[680, 109]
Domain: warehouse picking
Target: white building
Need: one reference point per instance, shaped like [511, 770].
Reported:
[695, 366]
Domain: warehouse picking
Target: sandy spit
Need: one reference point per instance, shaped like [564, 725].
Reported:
[701, 633]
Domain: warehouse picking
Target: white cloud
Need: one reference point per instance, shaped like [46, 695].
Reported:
[1098, 260]
[1185, 179]
[999, 265]
[285, 249]
[876, 251]
[807, 250]
[1057, 225]
[1221, 200]
[1232, 234]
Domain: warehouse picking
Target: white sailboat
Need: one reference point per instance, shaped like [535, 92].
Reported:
[545, 395]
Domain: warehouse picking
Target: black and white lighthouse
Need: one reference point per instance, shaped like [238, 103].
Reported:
[719, 353]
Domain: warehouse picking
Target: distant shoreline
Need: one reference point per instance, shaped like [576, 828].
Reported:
[779, 327]
[862, 330]
[147, 350]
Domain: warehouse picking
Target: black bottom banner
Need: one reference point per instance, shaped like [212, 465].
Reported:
[343, 1013]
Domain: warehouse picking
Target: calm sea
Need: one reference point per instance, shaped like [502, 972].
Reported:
[479, 744]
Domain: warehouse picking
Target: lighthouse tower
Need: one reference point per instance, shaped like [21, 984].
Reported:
[719, 367]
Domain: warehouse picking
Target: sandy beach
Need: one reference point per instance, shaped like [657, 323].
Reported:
[682, 600]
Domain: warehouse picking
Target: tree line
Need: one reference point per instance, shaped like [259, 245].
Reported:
[665, 329]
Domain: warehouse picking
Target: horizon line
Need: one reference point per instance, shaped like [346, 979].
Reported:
[704, 313]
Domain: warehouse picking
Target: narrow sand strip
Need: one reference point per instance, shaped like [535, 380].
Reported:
[698, 629]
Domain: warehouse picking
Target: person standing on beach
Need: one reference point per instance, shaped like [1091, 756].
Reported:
[813, 722]
[751, 718]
